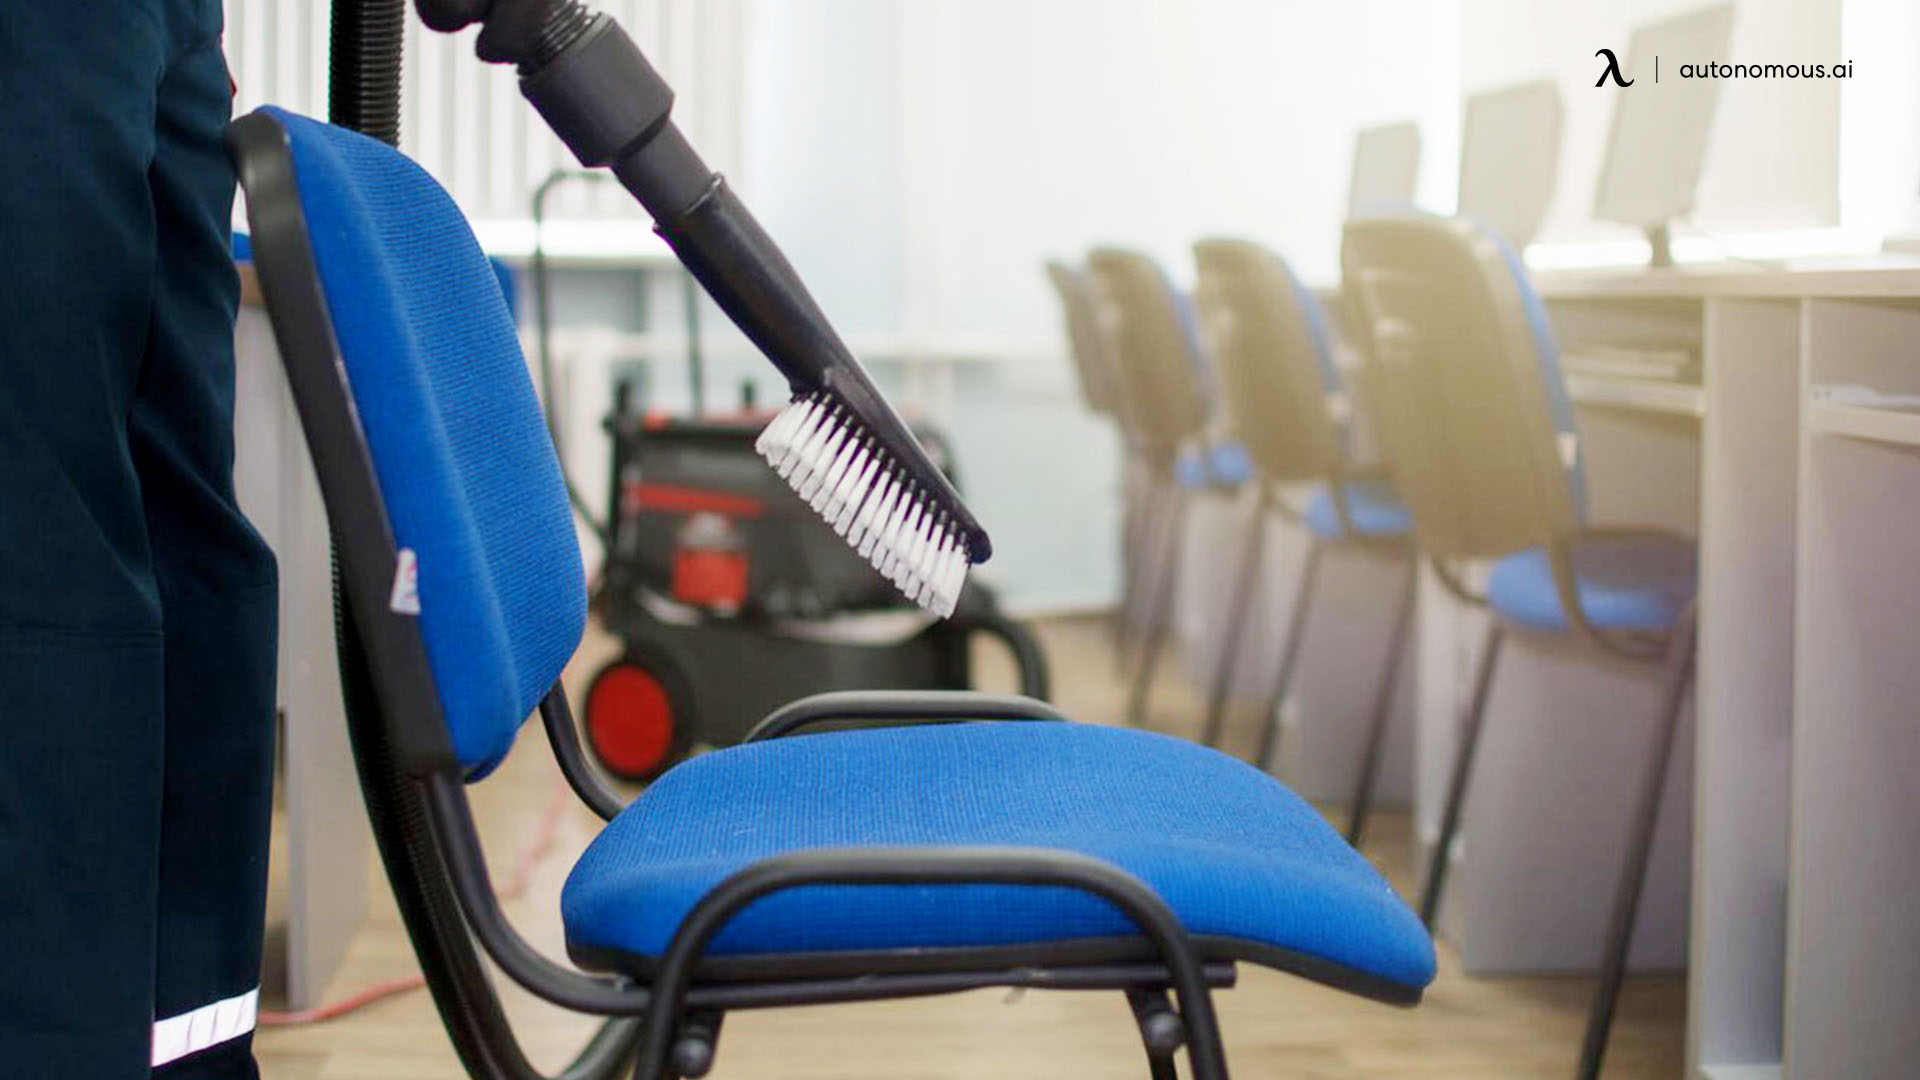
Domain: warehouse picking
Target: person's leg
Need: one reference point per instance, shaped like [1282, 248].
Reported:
[218, 591]
[80, 641]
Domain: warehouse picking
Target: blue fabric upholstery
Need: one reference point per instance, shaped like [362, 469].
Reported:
[1372, 505]
[1637, 582]
[1220, 465]
[1228, 848]
[1547, 353]
[466, 468]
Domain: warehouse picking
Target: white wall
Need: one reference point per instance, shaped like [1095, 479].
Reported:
[920, 160]
[1047, 127]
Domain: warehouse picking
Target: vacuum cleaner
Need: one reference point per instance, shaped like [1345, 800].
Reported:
[712, 560]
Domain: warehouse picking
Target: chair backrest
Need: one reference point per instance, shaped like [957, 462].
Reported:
[1150, 336]
[1268, 339]
[468, 483]
[1099, 387]
[1462, 381]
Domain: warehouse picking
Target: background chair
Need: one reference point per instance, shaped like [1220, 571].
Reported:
[1098, 378]
[1150, 337]
[1286, 402]
[1464, 382]
[796, 868]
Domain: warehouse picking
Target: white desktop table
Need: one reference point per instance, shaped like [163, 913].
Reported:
[1804, 954]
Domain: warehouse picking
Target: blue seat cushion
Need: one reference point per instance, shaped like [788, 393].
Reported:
[1373, 507]
[1636, 582]
[1231, 851]
[1222, 465]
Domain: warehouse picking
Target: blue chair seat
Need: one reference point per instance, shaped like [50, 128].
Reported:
[1225, 465]
[1639, 582]
[1232, 852]
[1373, 507]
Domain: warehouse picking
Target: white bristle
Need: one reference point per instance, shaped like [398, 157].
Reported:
[830, 480]
[856, 487]
[816, 467]
[773, 440]
[797, 438]
[931, 555]
[923, 542]
[906, 566]
[807, 445]
[840, 506]
[890, 536]
[875, 524]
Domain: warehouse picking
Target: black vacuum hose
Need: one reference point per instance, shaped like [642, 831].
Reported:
[363, 71]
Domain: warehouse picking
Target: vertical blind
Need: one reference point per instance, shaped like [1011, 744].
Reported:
[466, 122]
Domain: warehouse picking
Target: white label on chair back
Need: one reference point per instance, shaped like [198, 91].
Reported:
[405, 598]
[1569, 449]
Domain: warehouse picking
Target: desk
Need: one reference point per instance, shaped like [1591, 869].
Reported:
[1804, 956]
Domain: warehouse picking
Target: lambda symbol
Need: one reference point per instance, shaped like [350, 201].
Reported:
[1613, 70]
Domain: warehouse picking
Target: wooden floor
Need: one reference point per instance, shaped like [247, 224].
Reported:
[1275, 1026]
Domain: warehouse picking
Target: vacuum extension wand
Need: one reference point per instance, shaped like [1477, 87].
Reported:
[839, 443]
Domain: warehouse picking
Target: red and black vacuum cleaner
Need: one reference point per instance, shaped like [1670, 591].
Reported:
[715, 566]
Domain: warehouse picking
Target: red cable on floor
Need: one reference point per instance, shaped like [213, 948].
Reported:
[530, 858]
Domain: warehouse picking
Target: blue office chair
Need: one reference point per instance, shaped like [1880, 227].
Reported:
[1464, 383]
[1286, 402]
[938, 843]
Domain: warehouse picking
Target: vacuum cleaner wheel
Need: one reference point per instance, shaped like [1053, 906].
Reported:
[639, 718]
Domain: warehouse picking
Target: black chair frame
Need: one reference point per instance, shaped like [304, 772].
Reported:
[665, 1013]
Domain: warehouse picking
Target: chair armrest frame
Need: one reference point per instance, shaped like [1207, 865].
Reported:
[564, 737]
[890, 708]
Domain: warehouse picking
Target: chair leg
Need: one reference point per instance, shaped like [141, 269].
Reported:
[1163, 1031]
[1239, 606]
[1462, 769]
[1159, 612]
[1289, 657]
[1633, 874]
[1375, 748]
[1148, 534]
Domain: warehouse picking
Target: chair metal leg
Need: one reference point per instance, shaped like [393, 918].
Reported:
[1376, 742]
[1239, 606]
[1289, 657]
[1462, 769]
[1633, 874]
[1159, 613]
[1148, 535]
[1161, 1031]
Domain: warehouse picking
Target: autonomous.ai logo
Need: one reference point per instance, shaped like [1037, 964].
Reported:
[1612, 71]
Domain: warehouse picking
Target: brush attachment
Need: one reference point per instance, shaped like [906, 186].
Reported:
[871, 498]
[838, 443]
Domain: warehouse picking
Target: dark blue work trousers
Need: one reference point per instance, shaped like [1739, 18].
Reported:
[137, 606]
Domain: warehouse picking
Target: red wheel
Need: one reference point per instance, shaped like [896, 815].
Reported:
[632, 723]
